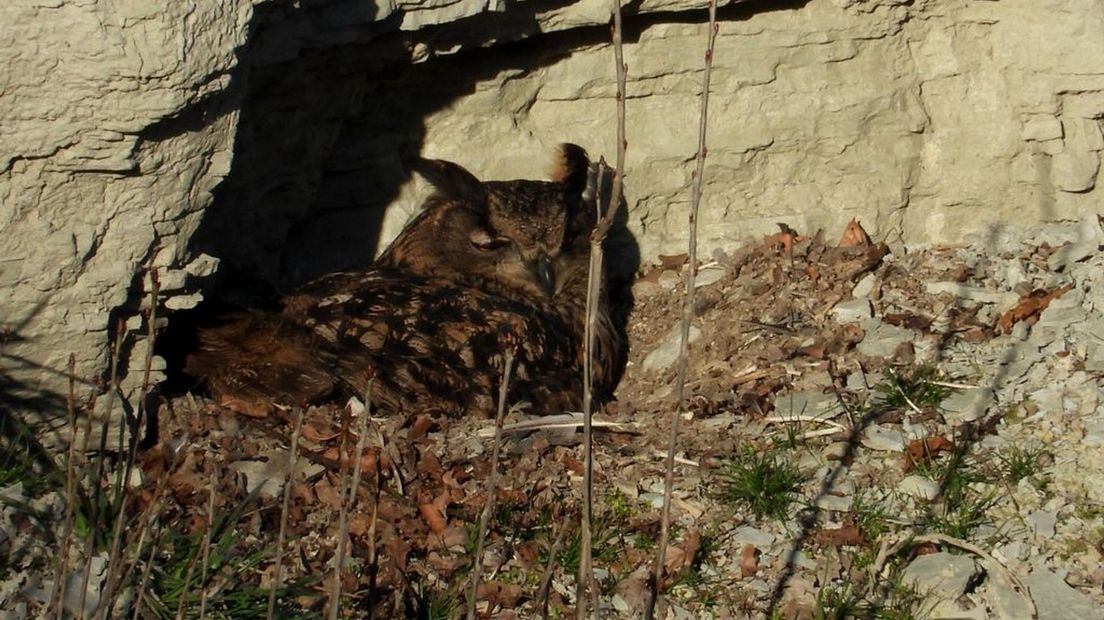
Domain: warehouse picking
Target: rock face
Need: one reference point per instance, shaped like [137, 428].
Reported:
[270, 135]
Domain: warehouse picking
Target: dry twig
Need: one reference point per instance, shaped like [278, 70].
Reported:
[61, 569]
[492, 482]
[115, 568]
[550, 569]
[281, 536]
[687, 316]
[205, 555]
[594, 293]
[349, 501]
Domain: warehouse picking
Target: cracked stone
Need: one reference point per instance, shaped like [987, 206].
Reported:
[883, 439]
[919, 487]
[942, 575]
[795, 404]
[852, 310]
[882, 340]
[708, 275]
[864, 287]
[1043, 522]
[1056, 600]
[967, 405]
[666, 354]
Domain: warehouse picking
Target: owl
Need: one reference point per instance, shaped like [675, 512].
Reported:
[484, 267]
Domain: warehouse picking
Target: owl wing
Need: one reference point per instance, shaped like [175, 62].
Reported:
[431, 344]
[249, 362]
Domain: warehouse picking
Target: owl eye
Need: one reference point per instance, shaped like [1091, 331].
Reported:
[482, 240]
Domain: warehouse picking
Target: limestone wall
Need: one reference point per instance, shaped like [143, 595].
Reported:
[270, 135]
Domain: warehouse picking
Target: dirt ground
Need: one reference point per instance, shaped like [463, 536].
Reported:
[869, 432]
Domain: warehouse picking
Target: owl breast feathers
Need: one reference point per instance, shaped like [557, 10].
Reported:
[483, 267]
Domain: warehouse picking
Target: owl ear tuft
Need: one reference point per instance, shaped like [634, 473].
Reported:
[572, 168]
[449, 179]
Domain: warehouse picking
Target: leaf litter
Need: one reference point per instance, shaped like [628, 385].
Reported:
[786, 363]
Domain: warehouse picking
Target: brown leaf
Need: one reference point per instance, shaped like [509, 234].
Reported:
[1030, 307]
[920, 450]
[784, 240]
[422, 425]
[908, 321]
[398, 549]
[673, 262]
[312, 434]
[433, 517]
[574, 465]
[817, 350]
[812, 272]
[749, 561]
[854, 235]
[429, 465]
[681, 556]
[498, 593]
[840, 537]
[976, 335]
[326, 493]
[248, 408]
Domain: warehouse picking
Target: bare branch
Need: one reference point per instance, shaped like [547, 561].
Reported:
[492, 480]
[281, 536]
[349, 501]
[594, 293]
[687, 315]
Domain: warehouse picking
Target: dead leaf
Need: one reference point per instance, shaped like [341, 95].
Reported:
[673, 262]
[1029, 307]
[248, 408]
[312, 434]
[499, 594]
[783, 240]
[326, 493]
[848, 535]
[422, 425]
[854, 236]
[920, 450]
[681, 556]
[749, 561]
[817, 350]
[433, 518]
[574, 465]
[908, 321]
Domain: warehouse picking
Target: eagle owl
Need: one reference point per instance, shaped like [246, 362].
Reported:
[483, 266]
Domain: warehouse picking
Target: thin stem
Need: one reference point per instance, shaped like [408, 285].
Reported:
[549, 570]
[112, 388]
[206, 555]
[115, 568]
[687, 317]
[62, 568]
[594, 292]
[277, 578]
[492, 481]
[348, 504]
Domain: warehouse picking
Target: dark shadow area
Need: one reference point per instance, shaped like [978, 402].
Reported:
[326, 122]
[322, 134]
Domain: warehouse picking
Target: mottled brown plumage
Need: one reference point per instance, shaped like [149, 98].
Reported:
[483, 264]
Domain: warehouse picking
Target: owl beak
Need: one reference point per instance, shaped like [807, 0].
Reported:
[545, 275]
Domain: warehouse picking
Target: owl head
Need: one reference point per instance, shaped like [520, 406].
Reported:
[513, 234]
